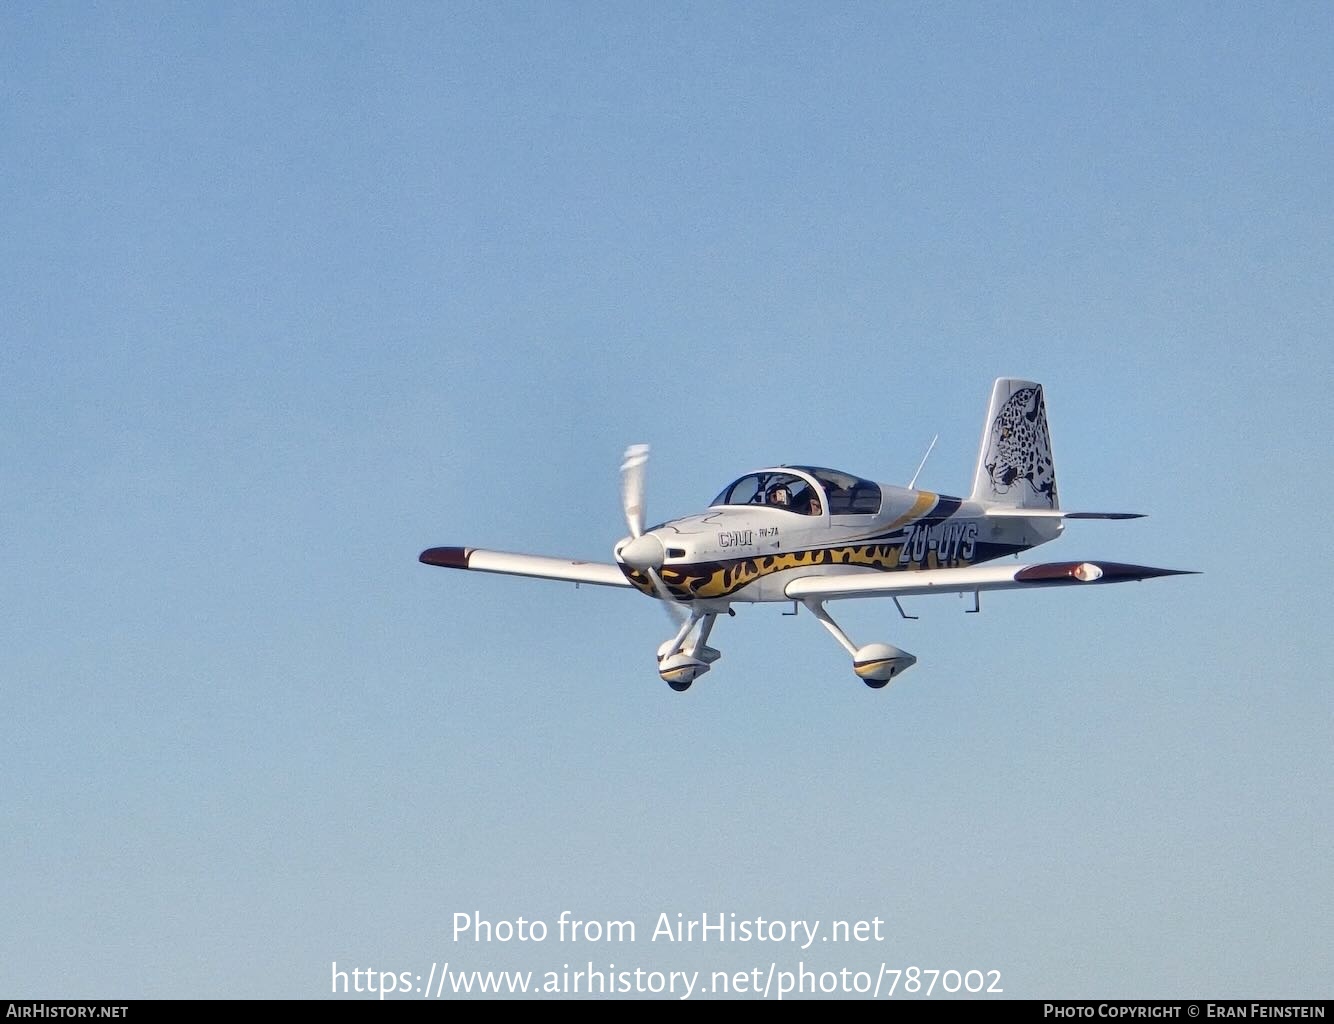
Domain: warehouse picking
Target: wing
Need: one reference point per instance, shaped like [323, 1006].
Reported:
[971, 579]
[539, 566]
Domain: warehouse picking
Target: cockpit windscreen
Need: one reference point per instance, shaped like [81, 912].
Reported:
[775, 489]
[844, 494]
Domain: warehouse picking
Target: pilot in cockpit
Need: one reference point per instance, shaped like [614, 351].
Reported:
[780, 496]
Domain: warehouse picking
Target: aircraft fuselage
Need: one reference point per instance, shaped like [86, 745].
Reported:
[750, 552]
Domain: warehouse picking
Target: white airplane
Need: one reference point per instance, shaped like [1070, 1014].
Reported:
[807, 535]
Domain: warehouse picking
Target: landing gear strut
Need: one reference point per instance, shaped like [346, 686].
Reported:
[875, 664]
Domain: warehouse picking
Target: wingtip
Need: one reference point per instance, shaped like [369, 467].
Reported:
[1096, 572]
[449, 558]
[1121, 570]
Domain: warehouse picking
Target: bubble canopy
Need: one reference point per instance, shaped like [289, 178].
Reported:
[807, 490]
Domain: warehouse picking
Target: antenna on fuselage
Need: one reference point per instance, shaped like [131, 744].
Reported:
[923, 462]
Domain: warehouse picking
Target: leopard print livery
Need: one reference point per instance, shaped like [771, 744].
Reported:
[1019, 451]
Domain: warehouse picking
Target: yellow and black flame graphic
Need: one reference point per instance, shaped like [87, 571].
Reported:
[712, 580]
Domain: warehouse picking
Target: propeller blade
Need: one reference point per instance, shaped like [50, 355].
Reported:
[643, 552]
[632, 487]
[674, 611]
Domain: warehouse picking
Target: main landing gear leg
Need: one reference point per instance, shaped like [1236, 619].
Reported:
[875, 664]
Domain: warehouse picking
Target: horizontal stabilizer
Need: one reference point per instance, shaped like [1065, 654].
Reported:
[998, 512]
[537, 566]
[1001, 512]
[970, 579]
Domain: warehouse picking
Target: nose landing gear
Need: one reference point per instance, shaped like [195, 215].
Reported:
[680, 662]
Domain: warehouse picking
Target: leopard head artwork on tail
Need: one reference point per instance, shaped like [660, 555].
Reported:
[1018, 451]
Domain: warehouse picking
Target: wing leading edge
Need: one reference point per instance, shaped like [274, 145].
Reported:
[537, 566]
[971, 579]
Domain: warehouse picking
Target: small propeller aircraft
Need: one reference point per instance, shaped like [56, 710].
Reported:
[807, 535]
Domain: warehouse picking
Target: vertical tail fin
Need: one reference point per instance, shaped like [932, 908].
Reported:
[1014, 463]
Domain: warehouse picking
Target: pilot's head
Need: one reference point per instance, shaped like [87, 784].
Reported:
[778, 495]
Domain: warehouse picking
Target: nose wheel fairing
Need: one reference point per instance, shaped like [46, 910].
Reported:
[687, 655]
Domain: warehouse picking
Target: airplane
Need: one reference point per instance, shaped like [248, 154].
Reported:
[807, 535]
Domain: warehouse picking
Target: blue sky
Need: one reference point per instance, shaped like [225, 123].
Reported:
[295, 292]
